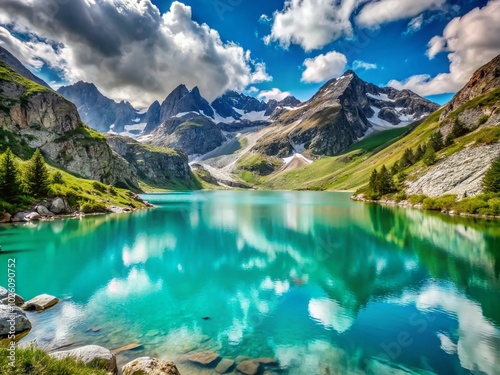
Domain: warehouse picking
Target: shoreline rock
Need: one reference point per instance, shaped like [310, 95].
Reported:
[150, 366]
[91, 355]
[21, 326]
[40, 303]
[407, 204]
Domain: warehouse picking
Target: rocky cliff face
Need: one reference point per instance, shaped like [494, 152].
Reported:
[45, 120]
[98, 111]
[191, 133]
[483, 80]
[343, 111]
[162, 167]
[181, 100]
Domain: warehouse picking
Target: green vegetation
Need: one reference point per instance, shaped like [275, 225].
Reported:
[487, 204]
[9, 75]
[381, 183]
[258, 164]
[35, 361]
[491, 180]
[81, 194]
[83, 132]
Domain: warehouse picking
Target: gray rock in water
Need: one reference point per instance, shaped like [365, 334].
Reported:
[91, 355]
[150, 366]
[4, 293]
[20, 217]
[59, 206]
[44, 211]
[21, 322]
[40, 303]
[224, 365]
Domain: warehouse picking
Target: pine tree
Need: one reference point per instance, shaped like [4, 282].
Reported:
[395, 168]
[436, 141]
[407, 159]
[372, 185]
[430, 155]
[9, 177]
[458, 129]
[385, 184]
[491, 180]
[37, 176]
[57, 178]
[419, 154]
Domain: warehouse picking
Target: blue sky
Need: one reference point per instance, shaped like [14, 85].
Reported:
[429, 59]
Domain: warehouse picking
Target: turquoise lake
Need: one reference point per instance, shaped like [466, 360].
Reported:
[323, 284]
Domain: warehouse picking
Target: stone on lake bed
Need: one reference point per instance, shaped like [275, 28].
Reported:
[40, 303]
[242, 358]
[126, 347]
[248, 367]
[91, 355]
[267, 361]
[203, 357]
[224, 365]
[150, 366]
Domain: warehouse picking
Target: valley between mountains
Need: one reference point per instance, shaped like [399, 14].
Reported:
[333, 141]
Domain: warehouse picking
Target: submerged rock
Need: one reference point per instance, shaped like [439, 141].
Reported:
[22, 325]
[248, 367]
[150, 366]
[126, 347]
[267, 361]
[224, 365]
[91, 355]
[203, 357]
[40, 303]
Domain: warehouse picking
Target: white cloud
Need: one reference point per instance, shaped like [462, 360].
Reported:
[251, 90]
[312, 23]
[264, 18]
[415, 24]
[274, 93]
[128, 48]
[358, 64]
[470, 41]
[323, 67]
[379, 12]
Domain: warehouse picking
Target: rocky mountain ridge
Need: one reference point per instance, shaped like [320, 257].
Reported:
[342, 112]
[98, 111]
[19, 68]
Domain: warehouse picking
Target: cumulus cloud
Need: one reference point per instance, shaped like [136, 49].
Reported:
[312, 23]
[274, 93]
[470, 41]
[323, 67]
[379, 12]
[128, 48]
[358, 64]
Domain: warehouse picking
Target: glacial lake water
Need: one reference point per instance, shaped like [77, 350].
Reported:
[322, 284]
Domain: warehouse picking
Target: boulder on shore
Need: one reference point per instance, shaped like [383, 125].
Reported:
[5, 218]
[44, 211]
[91, 355]
[17, 300]
[150, 366]
[22, 325]
[40, 303]
[59, 206]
